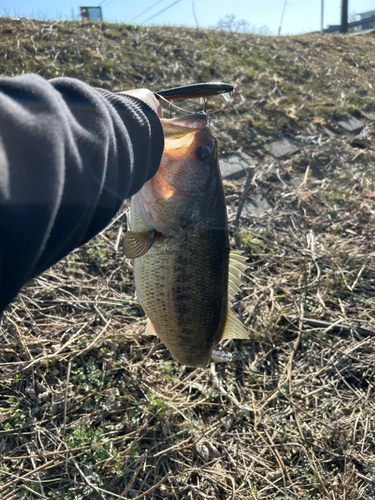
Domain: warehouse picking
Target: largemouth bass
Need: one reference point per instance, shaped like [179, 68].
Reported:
[185, 274]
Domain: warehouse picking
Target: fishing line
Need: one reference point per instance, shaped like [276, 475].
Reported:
[171, 105]
[187, 111]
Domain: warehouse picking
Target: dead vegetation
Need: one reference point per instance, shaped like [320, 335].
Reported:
[91, 408]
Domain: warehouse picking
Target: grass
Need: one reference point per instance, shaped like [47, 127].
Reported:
[92, 408]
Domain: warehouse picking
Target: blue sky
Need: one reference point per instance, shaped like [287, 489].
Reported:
[300, 15]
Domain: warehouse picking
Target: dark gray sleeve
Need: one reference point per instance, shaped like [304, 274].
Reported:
[69, 156]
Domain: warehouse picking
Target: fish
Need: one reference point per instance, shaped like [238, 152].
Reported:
[185, 274]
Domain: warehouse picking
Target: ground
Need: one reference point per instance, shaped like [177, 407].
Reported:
[90, 407]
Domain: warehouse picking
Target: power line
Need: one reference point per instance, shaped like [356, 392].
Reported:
[166, 8]
[146, 10]
[104, 1]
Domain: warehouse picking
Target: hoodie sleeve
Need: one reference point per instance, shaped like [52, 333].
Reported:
[69, 155]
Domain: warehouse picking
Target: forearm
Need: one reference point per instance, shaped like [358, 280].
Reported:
[69, 156]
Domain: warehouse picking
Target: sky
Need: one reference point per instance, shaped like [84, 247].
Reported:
[299, 17]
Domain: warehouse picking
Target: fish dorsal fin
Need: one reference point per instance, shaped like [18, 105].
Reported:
[237, 267]
[150, 329]
[234, 329]
[137, 243]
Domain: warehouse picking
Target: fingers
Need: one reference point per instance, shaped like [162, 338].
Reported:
[146, 96]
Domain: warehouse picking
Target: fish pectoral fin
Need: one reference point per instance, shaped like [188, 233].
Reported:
[137, 243]
[150, 329]
[234, 329]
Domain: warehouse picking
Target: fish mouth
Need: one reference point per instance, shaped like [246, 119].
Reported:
[195, 120]
[182, 125]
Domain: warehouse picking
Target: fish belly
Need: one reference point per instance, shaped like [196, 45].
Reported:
[182, 285]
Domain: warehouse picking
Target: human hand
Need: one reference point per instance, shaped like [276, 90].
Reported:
[147, 97]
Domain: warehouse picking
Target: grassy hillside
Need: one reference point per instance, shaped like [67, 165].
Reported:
[92, 408]
[282, 83]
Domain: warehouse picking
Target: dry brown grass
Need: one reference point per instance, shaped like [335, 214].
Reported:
[91, 408]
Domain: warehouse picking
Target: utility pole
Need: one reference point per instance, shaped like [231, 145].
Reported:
[322, 17]
[344, 16]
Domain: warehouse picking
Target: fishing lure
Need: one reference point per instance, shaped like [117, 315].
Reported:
[195, 90]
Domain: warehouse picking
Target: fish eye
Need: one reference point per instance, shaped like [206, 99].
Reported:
[203, 153]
